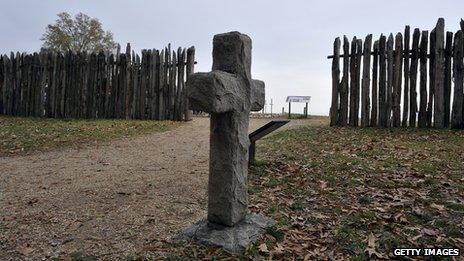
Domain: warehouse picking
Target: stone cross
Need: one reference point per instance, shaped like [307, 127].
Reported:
[228, 93]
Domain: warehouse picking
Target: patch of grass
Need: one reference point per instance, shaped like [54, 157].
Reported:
[365, 200]
[298, 205]
[455, 206]
[21, 135]
[282, 222]
[349, 240]
[332, 190]
[273, 182]
[81, 256]
[275, 232]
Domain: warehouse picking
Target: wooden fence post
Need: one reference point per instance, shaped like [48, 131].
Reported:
[375, 100]
[458, 73]
[397, 79]
[149, 84]
[432, 68]
[359, 54]
[447, 79]
[127, 83]
[390, 79]
[335, 83]
[180, 82]
[413, 78]
[153, 85]
[406, 72]
[439, 104]
[167, 61]
[161, 86]
[190, 71]
[344, 87]
[353, 112]
[144, 72]
[173, 83]
[382, 82]
[422, 119]
[112, 98]
[366, 80]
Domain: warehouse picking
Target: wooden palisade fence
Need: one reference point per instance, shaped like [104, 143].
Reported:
[404, 81]
[97, 85]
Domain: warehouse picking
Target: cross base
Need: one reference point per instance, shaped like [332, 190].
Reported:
[233, 239]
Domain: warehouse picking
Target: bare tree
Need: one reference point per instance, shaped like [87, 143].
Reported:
[79, 34]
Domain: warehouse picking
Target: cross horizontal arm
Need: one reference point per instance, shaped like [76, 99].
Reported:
[217, 92]
[257, 95]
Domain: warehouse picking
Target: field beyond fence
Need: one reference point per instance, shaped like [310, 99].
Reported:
[97, 85]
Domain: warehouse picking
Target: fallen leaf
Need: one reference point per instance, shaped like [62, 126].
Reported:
[430, 232]
[439, 207]
[371, 245]
[401, 218]
[279, 249]
[306, 258]
[371, 239]
[263, 248]
[26, 251]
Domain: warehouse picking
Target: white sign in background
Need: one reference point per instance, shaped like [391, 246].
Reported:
[303, 99]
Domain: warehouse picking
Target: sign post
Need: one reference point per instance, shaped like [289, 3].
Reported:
[299, 99]
[289, 110]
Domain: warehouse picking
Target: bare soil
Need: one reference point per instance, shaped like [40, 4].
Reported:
[107, 200]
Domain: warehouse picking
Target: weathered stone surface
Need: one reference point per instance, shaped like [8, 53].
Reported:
[228, 170]
[227, 93]
[257, 95]
[232, 54]
[217, 92]
[234, 238]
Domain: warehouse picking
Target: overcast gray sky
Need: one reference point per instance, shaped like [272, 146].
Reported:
[291, 38]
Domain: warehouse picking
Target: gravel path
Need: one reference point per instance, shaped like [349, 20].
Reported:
[107, 199]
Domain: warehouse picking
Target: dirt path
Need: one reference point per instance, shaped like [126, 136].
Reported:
[107, 200]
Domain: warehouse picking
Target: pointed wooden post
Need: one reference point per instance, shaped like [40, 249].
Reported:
[432, 69]
[127, 84]
[458, 73]
[359, 53]
[404, 122]
[366, 80]
[160, 90]
[422, 119]
[335, 83]
[190, 70]
[390, 79]
[344, 87]
[397, 79]
[413, 78]
[382, 82]
[159, 98]
[439, 104]
[374, 111]
[353, 93]
[447, 79]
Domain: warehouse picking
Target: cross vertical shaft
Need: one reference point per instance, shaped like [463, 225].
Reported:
[229, 94]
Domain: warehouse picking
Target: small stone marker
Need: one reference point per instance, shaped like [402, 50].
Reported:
[228, 93]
